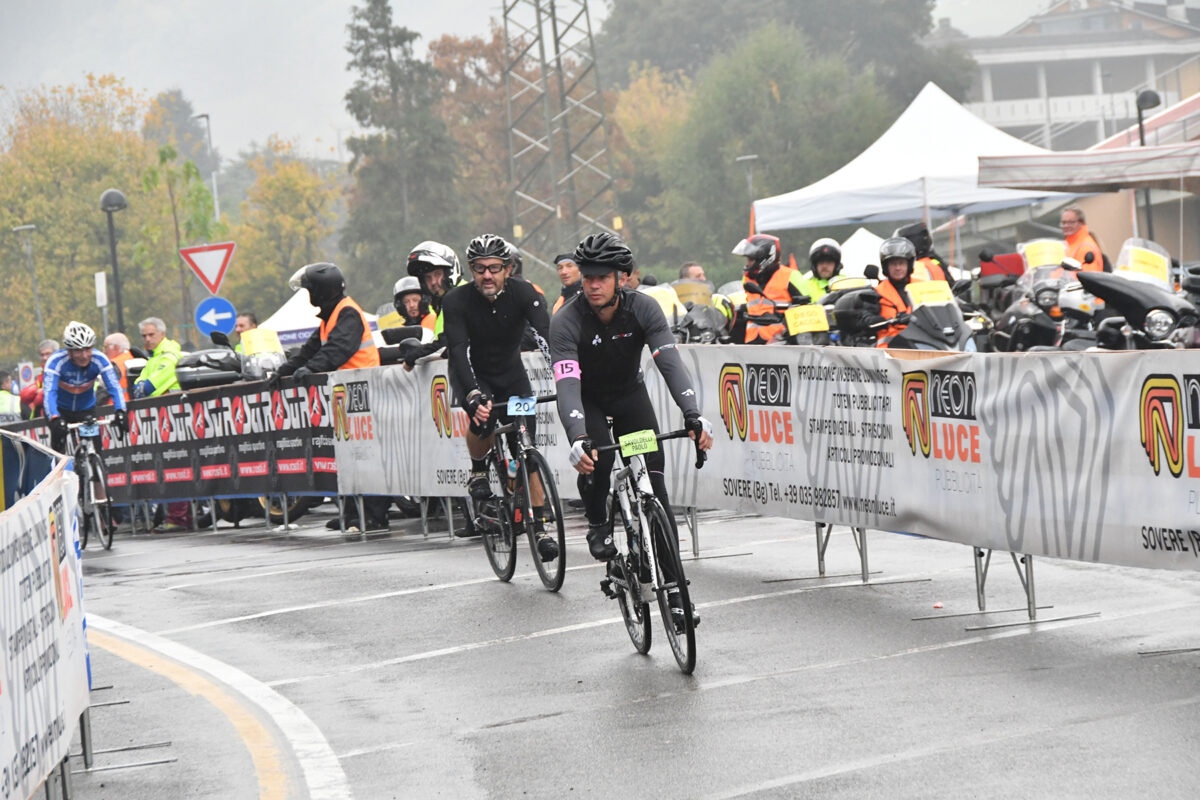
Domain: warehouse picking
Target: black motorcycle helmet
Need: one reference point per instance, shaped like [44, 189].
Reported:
[323, 280]
[764, 250]
[601, 253]
[918, 234]
[896, 247]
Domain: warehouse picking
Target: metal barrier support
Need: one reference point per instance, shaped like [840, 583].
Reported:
[362, 517]
[212, 504]
[693, 526]
[85, 737]
[860, 541]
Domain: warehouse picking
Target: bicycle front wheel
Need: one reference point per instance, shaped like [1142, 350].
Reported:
[553, 571]
[624, 572]
[678, 618]
[494, 522]
[101, 506]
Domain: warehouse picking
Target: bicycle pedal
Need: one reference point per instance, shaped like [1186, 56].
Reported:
[606, 587]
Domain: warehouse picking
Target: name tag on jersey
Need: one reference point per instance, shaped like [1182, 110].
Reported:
[521, 406]
[638, 443]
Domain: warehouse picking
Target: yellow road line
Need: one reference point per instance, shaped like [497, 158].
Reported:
[273, 781]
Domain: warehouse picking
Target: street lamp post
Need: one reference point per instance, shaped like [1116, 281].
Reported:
[1146, 99]
[111, 202]
[216, 197]
[748, 162]
[26, 234]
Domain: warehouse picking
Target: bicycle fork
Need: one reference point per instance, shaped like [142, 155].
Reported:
[637, 531]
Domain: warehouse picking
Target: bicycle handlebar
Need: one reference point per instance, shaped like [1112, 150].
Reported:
[101, 421]
[682, 433]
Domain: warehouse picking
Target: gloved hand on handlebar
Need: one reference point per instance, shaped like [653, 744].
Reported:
[58, 426]
[582, 455]
[284, 371]
[410, 350]
[699, 428]
[121, 422]
[301, 373]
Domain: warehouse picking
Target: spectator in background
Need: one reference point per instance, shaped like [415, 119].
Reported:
[1080, 241]
[31, 395]
[634, 279]
[10, 404]
[116, 347]
[568, 274]
[245, 321]
[691, 271]
[158, 376]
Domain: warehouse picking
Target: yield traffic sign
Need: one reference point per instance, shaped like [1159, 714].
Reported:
[209, 262]
[215, 314]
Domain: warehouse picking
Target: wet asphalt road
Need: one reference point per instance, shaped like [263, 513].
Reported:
[424, 676]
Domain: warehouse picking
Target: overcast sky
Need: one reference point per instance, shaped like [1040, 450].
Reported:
[263, 67]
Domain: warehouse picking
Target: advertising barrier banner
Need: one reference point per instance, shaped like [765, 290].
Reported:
[43, 667]
[240, 440]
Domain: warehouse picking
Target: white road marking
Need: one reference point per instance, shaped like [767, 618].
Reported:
[322, 773]
[370, 751]
[366, 598]
[521, 637]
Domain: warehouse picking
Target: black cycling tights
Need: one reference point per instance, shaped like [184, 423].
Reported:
[631, 412]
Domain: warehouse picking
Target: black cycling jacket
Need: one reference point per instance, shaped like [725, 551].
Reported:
[483, 337]
[603, 362]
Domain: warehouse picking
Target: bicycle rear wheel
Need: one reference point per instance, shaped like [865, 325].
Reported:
[494, 522]
[680, 628]
[551, 572]
[623, 572]
[101, 505]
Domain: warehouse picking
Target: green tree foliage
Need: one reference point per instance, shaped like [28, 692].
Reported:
[60, 148]
[171, 120]
[882, 35]
[404, 166]
[803, 114]
[191, 209]
[287, 219]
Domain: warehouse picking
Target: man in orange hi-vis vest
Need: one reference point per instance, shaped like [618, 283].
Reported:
[343, 340]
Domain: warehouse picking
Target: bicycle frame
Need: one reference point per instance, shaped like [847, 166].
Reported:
[629, 478]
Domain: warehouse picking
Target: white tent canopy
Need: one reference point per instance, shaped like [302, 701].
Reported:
[296, 319]
[1174, 166]
[927, 160]
[860, 249]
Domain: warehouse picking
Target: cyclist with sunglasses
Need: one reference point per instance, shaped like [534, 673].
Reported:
[485, 321]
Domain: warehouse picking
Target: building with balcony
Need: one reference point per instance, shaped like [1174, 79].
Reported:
[1067, 78]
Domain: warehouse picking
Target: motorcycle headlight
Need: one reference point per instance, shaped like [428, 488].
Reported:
[1047, 298]
[1159, 324]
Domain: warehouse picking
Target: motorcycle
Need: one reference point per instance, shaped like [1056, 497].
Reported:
[1050, 310]
[936, 321]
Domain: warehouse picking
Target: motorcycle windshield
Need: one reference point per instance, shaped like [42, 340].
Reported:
[944, 320]
[1043, 276]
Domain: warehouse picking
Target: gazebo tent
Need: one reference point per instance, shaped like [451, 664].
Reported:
[926, 163]
[1175, 167]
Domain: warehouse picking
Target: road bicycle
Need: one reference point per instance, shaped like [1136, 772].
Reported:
[512, 462]
[648, 539]
[94, 504]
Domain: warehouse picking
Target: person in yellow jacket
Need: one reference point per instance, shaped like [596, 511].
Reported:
[343, 340]
[775, 284]
[825, 255]
[158, 376]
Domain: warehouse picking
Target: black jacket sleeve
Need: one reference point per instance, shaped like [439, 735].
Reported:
[458, 343]
[307, 351]
[344, 340]
[538, 316]
[564, 356]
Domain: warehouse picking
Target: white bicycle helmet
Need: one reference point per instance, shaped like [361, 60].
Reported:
[78, 336]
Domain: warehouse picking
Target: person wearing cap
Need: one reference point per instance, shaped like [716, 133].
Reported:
[568, 274]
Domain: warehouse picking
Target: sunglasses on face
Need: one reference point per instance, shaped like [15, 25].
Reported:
[479, 269]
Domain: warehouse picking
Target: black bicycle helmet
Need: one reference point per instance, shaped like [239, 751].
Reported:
[604, 252]
[323, 280]
[897, 247]
[489, 245]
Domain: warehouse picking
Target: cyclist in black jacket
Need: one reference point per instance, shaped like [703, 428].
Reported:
[485, 321]
[596, 342]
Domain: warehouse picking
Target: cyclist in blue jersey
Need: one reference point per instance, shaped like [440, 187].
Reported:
[70, 384]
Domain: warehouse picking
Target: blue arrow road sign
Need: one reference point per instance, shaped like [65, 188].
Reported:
[215, 314]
